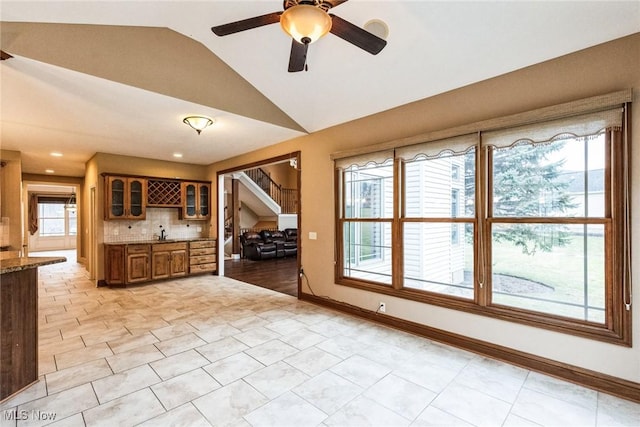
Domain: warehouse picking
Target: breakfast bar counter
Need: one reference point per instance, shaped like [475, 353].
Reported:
[11, 265]
[19, 322]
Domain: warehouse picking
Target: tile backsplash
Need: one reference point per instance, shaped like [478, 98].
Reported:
[149, 229]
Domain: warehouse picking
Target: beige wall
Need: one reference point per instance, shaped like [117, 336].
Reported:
[282, 174]
[595, 71]
[91, 215]
[10, 197]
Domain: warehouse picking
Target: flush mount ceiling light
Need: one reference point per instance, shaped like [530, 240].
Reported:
[305, 23]
[198, 122]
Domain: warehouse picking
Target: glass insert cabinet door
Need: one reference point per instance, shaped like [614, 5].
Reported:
[190, 200]
[204, 200]
[136, 198]
[117, 197]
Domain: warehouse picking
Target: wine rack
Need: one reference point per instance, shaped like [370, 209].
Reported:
[163, 193]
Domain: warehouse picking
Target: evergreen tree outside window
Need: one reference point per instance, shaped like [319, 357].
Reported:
[572, 282]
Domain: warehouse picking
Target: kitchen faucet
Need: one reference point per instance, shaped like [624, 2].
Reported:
[163, 234]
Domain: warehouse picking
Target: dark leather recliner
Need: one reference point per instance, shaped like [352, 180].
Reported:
[284, 247]
[255, 248]
[291, 234]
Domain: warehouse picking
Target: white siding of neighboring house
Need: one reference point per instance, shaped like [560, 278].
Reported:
[429, 252]
[382, 196]
[458, 250]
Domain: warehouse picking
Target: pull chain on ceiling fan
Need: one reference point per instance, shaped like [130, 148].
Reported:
[306, 21]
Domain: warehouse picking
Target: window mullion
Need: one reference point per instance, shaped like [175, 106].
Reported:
[338, 262]
[482, 241]
[397, 233]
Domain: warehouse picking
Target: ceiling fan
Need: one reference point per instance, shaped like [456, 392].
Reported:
[306, 21]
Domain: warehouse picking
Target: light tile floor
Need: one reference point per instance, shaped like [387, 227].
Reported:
[208, 350]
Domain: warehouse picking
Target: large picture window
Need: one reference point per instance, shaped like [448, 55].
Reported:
[526, 223]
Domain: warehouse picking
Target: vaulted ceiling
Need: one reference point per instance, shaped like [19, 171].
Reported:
[118, 77]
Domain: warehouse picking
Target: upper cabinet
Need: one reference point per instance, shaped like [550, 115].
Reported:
[196, 200]
[126, 198]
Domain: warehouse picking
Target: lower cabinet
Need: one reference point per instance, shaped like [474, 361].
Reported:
[202, 256]
[137, 267]
[168, 260]
[114, 262]
[136, 263]
[125, 264]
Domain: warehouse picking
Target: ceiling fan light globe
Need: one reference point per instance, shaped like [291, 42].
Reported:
[304, 22]
[198, 122]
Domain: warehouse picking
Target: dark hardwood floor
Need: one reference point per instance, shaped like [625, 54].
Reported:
[278, 274]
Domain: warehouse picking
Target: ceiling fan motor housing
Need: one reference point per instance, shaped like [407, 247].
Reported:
[322, 4]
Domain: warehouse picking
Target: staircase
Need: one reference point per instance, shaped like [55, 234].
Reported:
[286, 198]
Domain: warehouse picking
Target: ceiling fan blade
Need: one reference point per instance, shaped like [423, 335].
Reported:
[4, 55]
[356, 35]
[298, 57]
[246, 24]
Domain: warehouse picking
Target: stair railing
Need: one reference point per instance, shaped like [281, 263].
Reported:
[286, 198]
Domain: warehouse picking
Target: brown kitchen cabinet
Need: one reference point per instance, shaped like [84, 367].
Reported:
[130, 263]
[126, 197]
[196, 200]
[202, 256]
[127, 264]
[114, 256]
[138, 263]
[168, 260]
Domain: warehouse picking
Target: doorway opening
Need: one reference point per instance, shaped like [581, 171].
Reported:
[52, 220]
[258, 223]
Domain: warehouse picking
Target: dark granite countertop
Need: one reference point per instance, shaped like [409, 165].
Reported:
[10, 265]
[156, 241]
